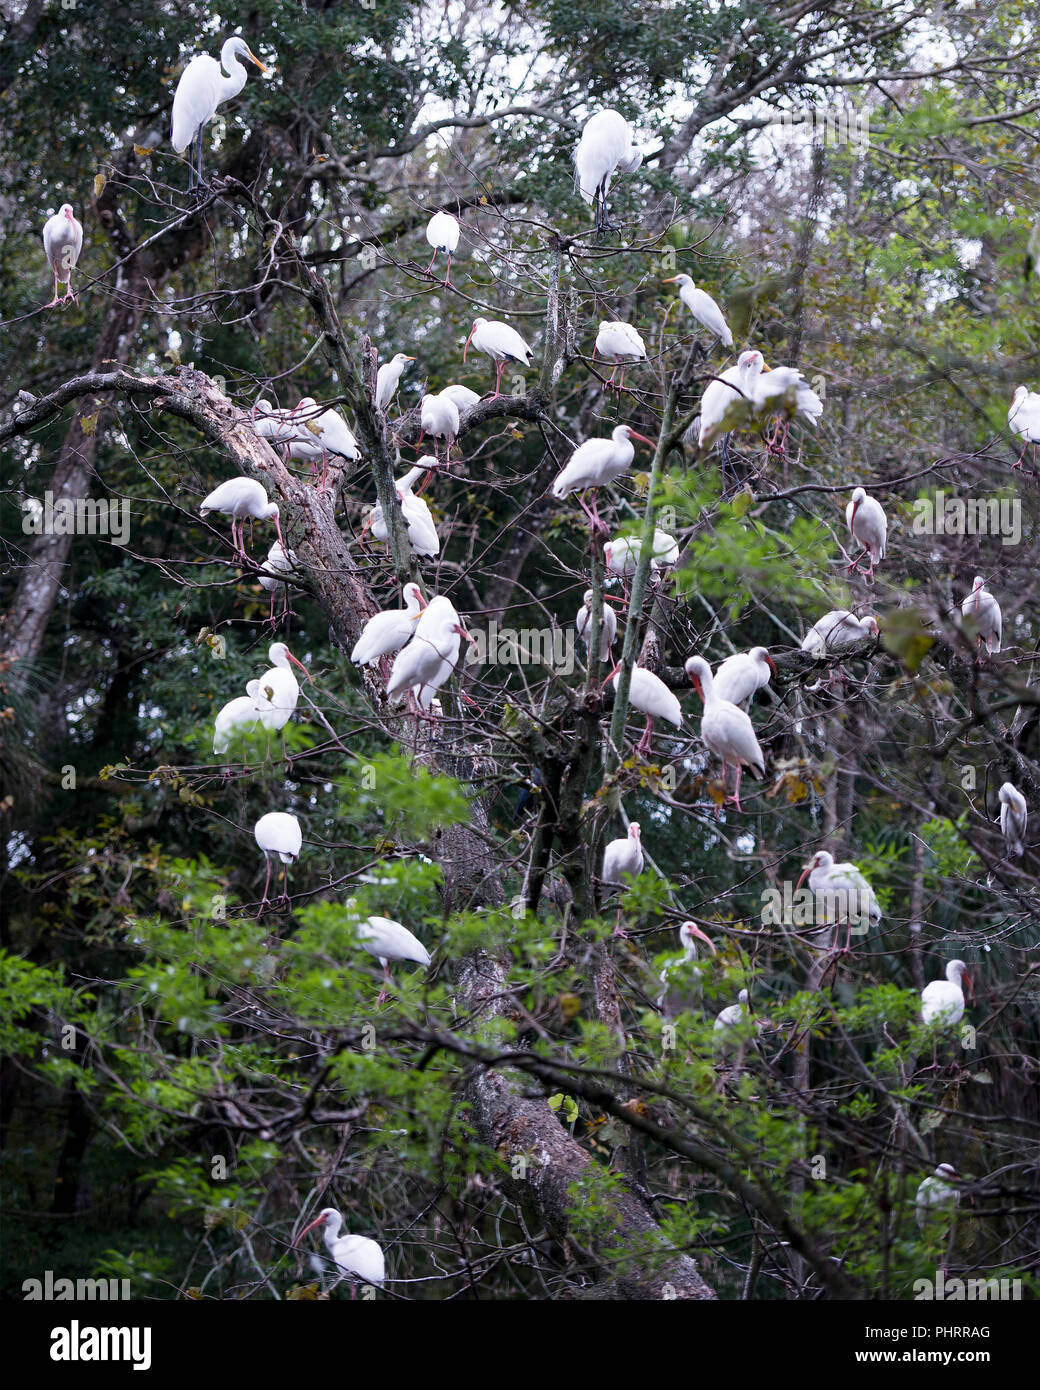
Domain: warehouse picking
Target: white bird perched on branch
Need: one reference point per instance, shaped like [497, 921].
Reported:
[236, 717]
[936, 1198]
[780, 391]
[838, 630]
[501, 343]
[733, 1015]
[649, 694]
[619, 343]
[1023, 418]
[703, 308]
[439, 418]
[334, 436]
[442, 232]
[388, 378]
[278, 834]
[725, 729]
[276, 692]
[604, 148]
[598, 463]
[275, 573]
[621, 555]
[388, 941]
[620, 857]
[1014, 818]
[429, 659]
[608, 630]
[868, 524]
[841, 894]
[239, 498]
[682, 971]
[273, 424]
[740, 675]
[463, 397]
[726, 403]
[355, 1256]
[62, 243]
[387, 632]
[983, 610]
[422, 533]
[942, 1001]
[201, 89]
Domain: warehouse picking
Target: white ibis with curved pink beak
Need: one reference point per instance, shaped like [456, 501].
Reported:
[984, 612]
[387, 632]
[649, 694]
[439, 418]
[683, 970]
[598, 463]
[62, 243]
[357, 1257]
[621, 344]
[501, 343]
[388, 941]
[608, 631]
[841, 894]
[868, 524]
[622, 857]
[838, 630]
[1023, 419]
[942, 1001]
[725, 728]
[240, 498]
[442, 233]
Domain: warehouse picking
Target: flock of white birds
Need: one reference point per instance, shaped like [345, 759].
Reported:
[417, 647]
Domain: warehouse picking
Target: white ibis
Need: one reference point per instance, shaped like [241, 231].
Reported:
[605, 147]
[272, 424]
[780, 391]
[463, 397]
[62, 243]
[236, 717]
[277, 691]
[201, 90]
[608, 630]
[278, 835]
[387, 632]
[619, 343]
[388, 941]
[428, 660]
[725, 728]
[732, 1016]
[984, 612]
[621, 555]
[1023, 418]
[439, 418]
[1014, 818]
[622, 857]
[649, 694]
[422, 532]
[598, 463]
[274, 575]
[331, 432]
[681, 977]
[868, 524]
[726, 403]
[239, 498]
[936, 1197]
[703, 308]
[739, 676]
[356, 1256]
[442, 232]
[501, 343]
[388, 378]
[942, 1001]
[838, 630]
[841, 894]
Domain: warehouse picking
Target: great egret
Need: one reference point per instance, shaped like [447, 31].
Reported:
[202, 88]
[604, 148]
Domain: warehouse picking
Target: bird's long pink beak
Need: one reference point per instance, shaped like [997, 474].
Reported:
[468, 341]
[71, 217]
[613, 673]
[771, 664]
[695, 681]
[290, 657]
[852, 518]
[318, 1220]
[642, 438]
[468, 635]
[805, 874]
[966, 978]
[696, 931]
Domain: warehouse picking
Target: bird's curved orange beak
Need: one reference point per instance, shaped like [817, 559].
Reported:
[318, 1220]
[771, 664]
[703, 936]
[642, 438]
[290, 657]
[262, 66]
[966, 978]
[852, 518]
[805, 874]
[695, 681]
[468, 341]
[671, 281]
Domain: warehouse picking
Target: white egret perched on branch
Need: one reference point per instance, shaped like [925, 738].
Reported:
[703, 308]
[201, 90]
[604, 148]
[388, 378]
[62, 243]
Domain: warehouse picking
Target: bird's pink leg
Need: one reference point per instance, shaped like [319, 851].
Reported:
[281, 538]
[643, 746]
[618, 928]
[265, 901]
[447, 278]
[429, 268]
[499, 366]
[386, 982]
[1016, 464]
[55, 300]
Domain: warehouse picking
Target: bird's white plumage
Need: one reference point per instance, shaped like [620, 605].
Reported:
[841, 893]
[733, 1014]
[271, 423]
[388, 378]
[353, 1255]
[422, 532]
[500, 341]
[942, 1001]
[936, 1196]
[649, 694]
[703, 308]
[277, 567]
[237, 716]
[838, 630]
[596, 463]
[740, 675]
[1014, 819]
[780, 390]
[391, 941]
[621, 555]
[726, 729]
[463, 397]
[62, 244]
[203, 87]
[439, 417]
[984, 612]
[240, 497]
[277, 691]
[442, 232]
[623, 856]
[430, 657]
[328, 427]
[619, 342]
[387, 632]
[726, 403]
[278, 833]
[583, 623]
[868, 524]
[604, 148]
[681, 978]
[1024, 415]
